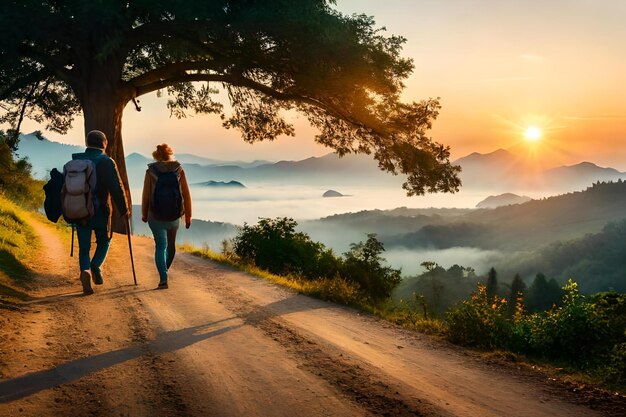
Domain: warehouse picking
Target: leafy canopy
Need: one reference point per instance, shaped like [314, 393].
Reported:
[342, 72]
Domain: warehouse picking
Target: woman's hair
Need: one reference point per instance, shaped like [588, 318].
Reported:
[163, 153]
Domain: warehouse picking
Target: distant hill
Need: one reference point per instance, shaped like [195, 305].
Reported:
[596, 261]
[499, 169]
[332, 193]
[529, 225]
[186, 158]
[580, 175]
[503, 170]
[44, 154]
[221, 184]
[506, 199]
[339, 230]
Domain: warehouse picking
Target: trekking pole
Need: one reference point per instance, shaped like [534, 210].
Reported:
[130, 248]
[72, 247]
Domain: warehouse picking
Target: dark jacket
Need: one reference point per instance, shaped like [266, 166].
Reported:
[149, 184]
[108, 185]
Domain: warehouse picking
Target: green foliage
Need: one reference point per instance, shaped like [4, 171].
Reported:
[492, 283]
[542, 295]
[598, 260]
[16, 242]
[364, 266]
[438, 288]
[16, 182]
[573, 332]
[586, 333]
[480, 321]
[516, 295]
[274, 245]
[10, 138]
[615, 368]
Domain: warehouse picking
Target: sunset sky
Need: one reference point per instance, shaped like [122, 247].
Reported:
[498, 66]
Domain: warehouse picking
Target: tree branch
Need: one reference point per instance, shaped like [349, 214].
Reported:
[154, 31]
[25, 105]
[24, 82]
[241, 81]
[169, 70]
[53, 65]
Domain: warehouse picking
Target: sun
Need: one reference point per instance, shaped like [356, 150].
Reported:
[532, 133]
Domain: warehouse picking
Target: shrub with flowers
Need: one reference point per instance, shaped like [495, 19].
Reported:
[480, 321]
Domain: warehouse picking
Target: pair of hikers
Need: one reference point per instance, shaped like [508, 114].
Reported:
[175, 203]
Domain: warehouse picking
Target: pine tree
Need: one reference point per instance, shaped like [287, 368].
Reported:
[492, 284]
[517, 290]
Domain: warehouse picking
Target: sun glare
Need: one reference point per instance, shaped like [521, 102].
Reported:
[532, 133]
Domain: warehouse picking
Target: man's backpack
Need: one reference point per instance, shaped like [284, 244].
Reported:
[167, 200]
[52, 204]
[77, 195]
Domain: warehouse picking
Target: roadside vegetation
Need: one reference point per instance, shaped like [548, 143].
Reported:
[20, 194]
[16, 182]
[543, 323]
[16, 243]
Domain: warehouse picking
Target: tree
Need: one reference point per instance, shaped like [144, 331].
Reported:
[492, 284]
[517, 290]
[59, 58]
[364, 266]
[542, 294]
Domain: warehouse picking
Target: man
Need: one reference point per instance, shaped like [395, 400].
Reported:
[108, 186]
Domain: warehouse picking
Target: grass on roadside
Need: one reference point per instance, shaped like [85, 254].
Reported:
[17, 240]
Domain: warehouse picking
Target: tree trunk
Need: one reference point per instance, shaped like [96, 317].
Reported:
[103, 106]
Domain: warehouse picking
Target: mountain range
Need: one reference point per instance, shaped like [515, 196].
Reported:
[504, 170]
[501, 170]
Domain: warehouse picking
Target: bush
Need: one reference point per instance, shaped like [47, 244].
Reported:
[573, 332]
[480, 321]
[274, 245]
[615, 369]
[587, 333]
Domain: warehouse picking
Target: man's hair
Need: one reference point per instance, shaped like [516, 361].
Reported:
[96, 139]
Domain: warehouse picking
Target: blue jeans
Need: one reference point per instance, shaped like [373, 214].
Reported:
[84, 244]
[165, 245]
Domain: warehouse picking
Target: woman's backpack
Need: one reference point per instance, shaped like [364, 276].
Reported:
[167, 199]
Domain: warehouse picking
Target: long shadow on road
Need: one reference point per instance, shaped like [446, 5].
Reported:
[16, 388]
[20, 387]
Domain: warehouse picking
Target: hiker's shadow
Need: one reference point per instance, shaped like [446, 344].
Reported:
[115, 292]
[20, 387]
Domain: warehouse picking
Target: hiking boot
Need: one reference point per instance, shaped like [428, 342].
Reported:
[96, 273]
[85, 279]
[162, 286]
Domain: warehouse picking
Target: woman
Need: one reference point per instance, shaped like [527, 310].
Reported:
[165, 200]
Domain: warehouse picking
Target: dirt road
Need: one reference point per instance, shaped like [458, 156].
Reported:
[222, 343]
